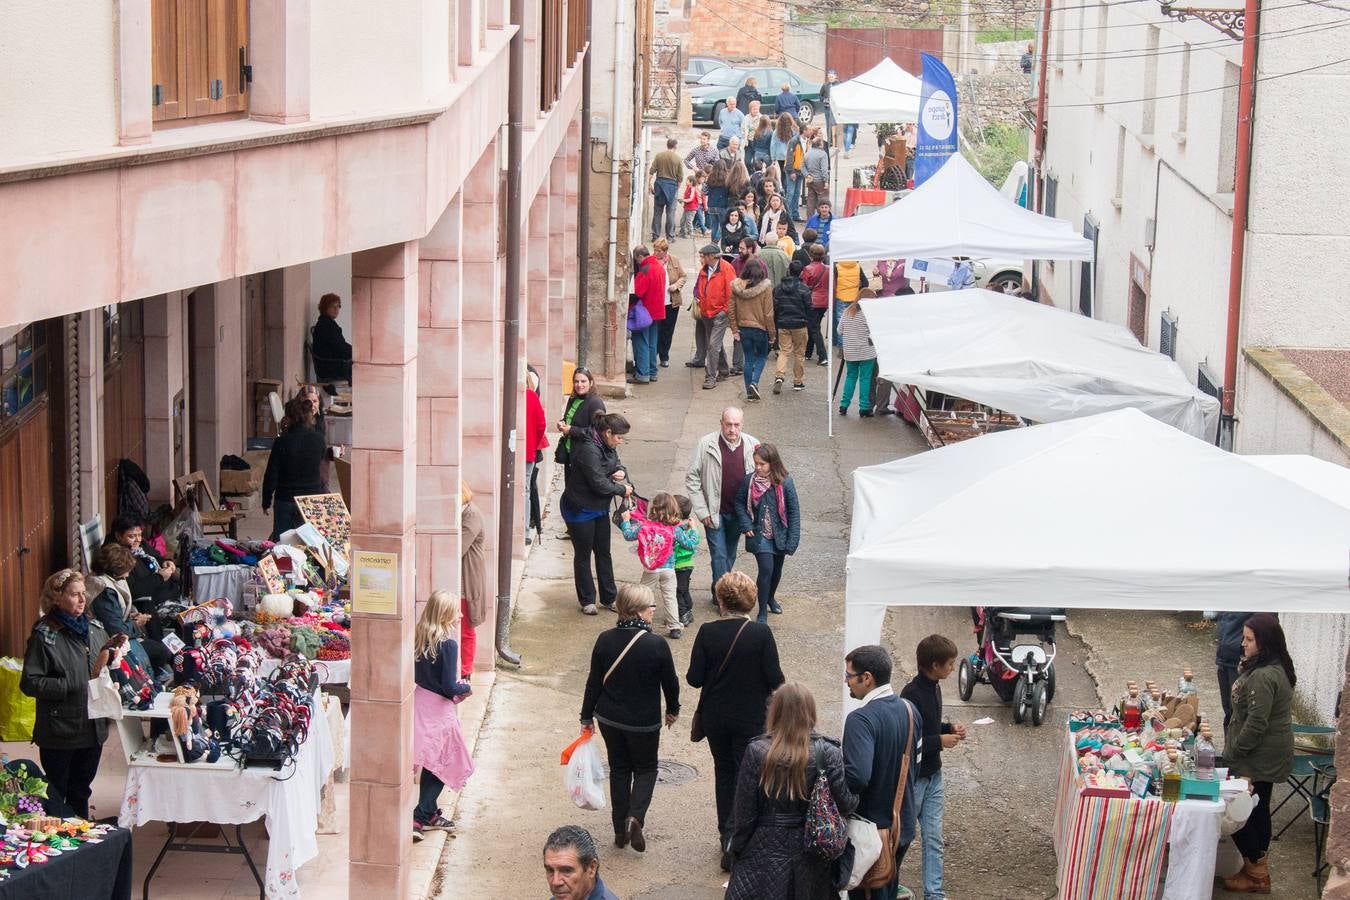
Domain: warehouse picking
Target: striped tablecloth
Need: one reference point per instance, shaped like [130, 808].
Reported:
[1109, 848]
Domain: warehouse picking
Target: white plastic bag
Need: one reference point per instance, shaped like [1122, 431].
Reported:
[585, 778]
[104, 700]
[866, 841]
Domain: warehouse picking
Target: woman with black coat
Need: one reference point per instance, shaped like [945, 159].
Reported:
[294, 467]
[630, 669]
[152, 576]
[733, 232]
[773, 797]
[747, 92]
[594, 478]
[66, 649]
[735, 664]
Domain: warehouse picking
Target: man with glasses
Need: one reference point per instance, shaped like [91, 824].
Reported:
[876, 737]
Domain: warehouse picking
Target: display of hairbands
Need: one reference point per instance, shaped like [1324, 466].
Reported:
[269, 719]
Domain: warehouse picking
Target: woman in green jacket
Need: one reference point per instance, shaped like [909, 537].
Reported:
[1259, 744]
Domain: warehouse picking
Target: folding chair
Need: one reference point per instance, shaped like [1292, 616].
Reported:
[193, 488]
[1320, 811]
[1307, 758]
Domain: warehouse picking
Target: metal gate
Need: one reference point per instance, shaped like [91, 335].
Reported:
[664, 80]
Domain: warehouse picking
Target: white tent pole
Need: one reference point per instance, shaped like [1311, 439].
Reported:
[829, 350]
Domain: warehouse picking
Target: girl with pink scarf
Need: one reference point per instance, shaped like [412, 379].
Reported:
[770, 519]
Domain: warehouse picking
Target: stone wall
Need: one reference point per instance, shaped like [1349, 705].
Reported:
[745, 30]
[927, 13]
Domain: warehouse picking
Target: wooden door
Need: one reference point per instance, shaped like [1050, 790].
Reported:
[15, 621]
[123, 420]
[28, 525]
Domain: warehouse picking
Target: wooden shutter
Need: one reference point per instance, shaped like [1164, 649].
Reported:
[165, 69]
[197, 43]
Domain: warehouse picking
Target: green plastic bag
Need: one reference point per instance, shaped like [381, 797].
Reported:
[18, 711]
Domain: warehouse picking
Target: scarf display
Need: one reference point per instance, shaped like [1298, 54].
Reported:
[77, 624]
[635, 623]
[759, 485]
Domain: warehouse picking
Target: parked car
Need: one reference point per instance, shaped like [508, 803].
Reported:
[697, 66]
[1006, 274]
[711, 93]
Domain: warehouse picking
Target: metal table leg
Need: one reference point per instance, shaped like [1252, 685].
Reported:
[240, 848]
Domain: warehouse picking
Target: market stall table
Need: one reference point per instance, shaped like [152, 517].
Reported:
[94, 871]
[288, 801]
[1112, 848]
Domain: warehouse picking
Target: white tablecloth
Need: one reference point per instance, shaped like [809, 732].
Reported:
[213, 582]
[290, 807]
[1191, 845]
[334, 671]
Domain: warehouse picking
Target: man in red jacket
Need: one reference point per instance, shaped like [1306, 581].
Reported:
[649, 289]
[712, 291]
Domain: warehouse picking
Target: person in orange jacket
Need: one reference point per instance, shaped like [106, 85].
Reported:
[712, 292]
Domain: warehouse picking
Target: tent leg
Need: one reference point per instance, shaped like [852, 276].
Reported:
[829, 350]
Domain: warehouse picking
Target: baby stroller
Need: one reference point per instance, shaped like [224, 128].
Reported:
[1024, 672]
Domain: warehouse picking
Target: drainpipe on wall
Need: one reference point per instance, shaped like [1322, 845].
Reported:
[1241, 193]
[1041, 128]
[506, 520]
[612, 364]
[584, 162]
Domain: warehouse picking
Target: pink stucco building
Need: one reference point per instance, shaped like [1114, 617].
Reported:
[176, 192]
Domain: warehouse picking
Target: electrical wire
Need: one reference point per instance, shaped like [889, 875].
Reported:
[1033, 11]
[1090, 103]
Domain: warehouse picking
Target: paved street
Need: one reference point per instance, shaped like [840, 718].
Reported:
[1000, 784]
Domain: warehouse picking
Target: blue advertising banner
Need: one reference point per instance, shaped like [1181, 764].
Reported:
[937, 119]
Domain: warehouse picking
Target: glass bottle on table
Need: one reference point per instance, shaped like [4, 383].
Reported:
[1171, 789]
[1186, 685]
[1204, 755]
[1130, 717]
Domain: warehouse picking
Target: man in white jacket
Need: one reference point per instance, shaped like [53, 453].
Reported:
[722, 460]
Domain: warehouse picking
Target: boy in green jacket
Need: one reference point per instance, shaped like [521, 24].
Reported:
[684, 564]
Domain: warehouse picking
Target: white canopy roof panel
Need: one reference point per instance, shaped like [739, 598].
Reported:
[1037, 361]
[1115, 510]
[884, 93]
[955, 213]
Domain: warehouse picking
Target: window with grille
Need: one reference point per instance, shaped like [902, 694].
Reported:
[1051, 192]
[23, 372]
[1167, 336]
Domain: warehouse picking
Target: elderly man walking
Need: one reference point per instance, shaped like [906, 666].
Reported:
[729, 123]
[722, 460]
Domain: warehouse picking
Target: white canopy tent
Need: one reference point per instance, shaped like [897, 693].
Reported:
[956, 213]
[1115, 510]
[1036, 361]
[884, 93]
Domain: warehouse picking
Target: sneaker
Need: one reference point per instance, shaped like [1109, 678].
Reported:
[690, 364]
[709, 385]
[608, 606]
[843, 410]
[589, 610]
[799, 387]
[736, 371]
[778, 385]
[438, 822]
[665, 364]
[903, 893]
[417, 834]
[752, 391]
[676, 634]
[653, 379]
[722, 376]
[687, 618]
[822, 362]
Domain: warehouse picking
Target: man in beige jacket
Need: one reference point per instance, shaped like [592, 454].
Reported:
[722, 460]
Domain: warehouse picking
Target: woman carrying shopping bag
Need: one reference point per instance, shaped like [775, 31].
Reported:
[630, 670]
[438, 744]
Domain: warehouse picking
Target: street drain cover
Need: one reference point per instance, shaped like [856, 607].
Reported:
[668, 772]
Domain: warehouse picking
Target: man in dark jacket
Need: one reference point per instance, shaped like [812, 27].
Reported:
[1227, 655]
[875, 739]
[572, 866]
[786, 102]
[792, 315]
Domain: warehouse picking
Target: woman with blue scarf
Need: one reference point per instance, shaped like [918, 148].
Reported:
[66, 649]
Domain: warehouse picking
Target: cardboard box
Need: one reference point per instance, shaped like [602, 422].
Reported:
[235, 482]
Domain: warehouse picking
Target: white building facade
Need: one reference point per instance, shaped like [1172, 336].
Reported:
[1141, 153]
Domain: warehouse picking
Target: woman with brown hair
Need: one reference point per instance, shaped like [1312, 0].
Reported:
[1259, 743]
[474, 599]
[294, 467]
[750, 316]
[675, 281]
[735, 666]
[331, 353]
[67, 648]
[770, 519]
[773, 796]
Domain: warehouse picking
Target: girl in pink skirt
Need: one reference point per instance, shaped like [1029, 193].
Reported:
[438, 745]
